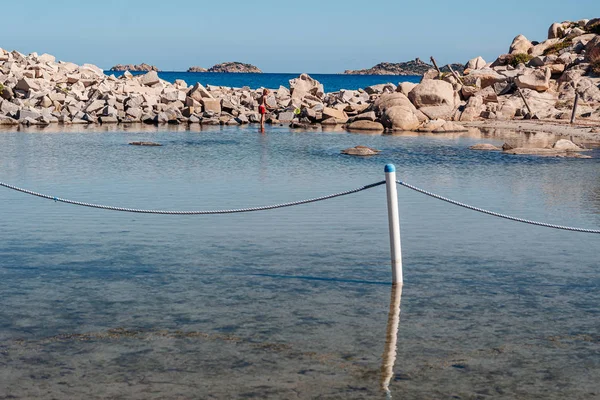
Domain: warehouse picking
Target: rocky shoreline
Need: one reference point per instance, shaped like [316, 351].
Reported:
[38, 90]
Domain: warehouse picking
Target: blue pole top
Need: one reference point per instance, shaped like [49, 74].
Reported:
[390, 168]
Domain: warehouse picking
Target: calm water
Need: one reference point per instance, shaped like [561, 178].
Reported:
[331, 82]
[292, 303]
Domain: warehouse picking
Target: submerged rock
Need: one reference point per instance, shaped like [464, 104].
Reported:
[365, 125]
[485, 147]
[145, 144]
[361, 151]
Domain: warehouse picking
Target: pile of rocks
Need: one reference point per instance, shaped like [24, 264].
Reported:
[548, 74]
[38, 90]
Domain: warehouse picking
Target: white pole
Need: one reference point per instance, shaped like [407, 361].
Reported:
[394, 221]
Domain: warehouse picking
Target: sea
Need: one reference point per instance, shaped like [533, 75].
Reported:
[297, 302]
[331, 82]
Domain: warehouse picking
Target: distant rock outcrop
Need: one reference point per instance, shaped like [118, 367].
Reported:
[138, 67]
[415, 67]
[197, 69]
[235, 67]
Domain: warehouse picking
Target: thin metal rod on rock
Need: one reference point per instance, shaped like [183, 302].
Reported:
[575, 104]
[436, 66]
[456, 75]
[525, 101]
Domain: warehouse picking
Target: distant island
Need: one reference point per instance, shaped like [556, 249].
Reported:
[197, 69]
[414, 67]
[137, 67]
[235, 67]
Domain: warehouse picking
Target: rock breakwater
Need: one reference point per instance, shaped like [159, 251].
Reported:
[39, 90]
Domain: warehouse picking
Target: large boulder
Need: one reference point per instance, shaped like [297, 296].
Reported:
[487, 77]
[592, 48]
[537, 80]
[400, 118]
[151, 78]
[476, 63]
[365, 125]
[539, 49]
[432, 93]
[557, 30]
[305, 85]
[520, 45]
[391, 100]
[406, 87]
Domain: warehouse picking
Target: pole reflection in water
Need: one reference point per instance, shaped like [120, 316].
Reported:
[389, 354]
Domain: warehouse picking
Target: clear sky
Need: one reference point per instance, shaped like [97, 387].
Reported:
[278, 36]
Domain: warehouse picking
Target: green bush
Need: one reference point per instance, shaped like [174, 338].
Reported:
[517, 59]
[1, 88]
[555, 48]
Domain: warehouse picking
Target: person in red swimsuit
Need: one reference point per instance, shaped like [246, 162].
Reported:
[262, 108]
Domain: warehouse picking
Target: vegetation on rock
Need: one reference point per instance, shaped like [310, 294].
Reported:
[556, 48]
[520, 58]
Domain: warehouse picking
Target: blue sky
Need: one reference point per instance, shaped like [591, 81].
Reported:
[278, 36]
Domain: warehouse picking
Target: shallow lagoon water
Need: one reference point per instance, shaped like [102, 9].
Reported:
[292, 303]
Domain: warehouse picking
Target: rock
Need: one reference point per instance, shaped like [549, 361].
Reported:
[537, 80]
[556, 30]
[432, 125]
[406, 87]
[382, 88]
[400, 118]
[386, 101]
[544, 152]
[520, 45]
[566, 145]
[27, 84]
[365, 125]
[485, 147]
[487, 77]
[438, 112]
[369, 116]
[213, 105]
[334, 113]
[149, 79]
[286, 116]
[361, 151]
[432, 93]
[449, 127]
[476, 63]
[304, 85]
[539, 49]
[145, 144]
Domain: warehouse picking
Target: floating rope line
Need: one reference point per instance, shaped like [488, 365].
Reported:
[495, 214]
[207, 212]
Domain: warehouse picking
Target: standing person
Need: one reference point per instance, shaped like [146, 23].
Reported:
[262, 108]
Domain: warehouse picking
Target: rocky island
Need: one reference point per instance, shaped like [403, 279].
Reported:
[415, 67]
[197, 69]
[235, 67]
[135, 68]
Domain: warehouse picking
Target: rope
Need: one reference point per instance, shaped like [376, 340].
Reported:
[208, 212]
[495, 214]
